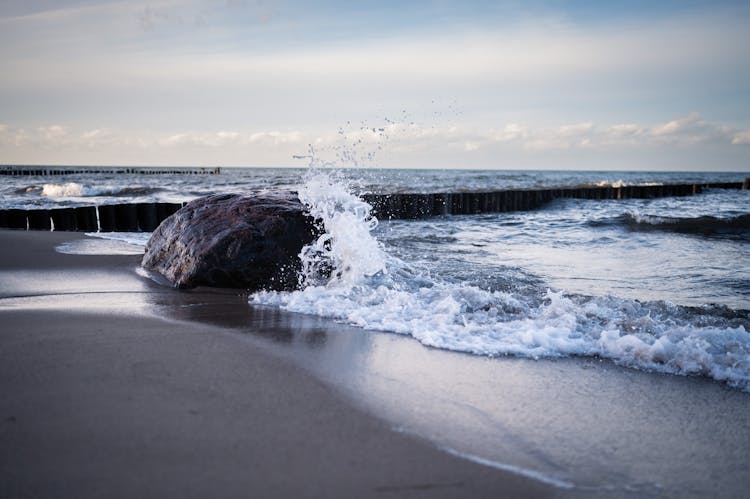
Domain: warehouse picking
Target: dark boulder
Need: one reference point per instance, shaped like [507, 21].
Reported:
[230, 240]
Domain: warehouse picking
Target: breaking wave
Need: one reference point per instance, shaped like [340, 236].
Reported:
[349, 276]
[699, 225]
[76, 190]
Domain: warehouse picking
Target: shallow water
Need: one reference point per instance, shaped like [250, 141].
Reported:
[574, 278]
[659, 284]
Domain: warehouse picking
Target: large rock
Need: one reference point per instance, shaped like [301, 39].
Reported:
[231, 240]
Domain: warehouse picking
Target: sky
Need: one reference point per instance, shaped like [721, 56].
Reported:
[638, 85]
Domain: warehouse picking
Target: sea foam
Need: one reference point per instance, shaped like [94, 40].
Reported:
[68, 189]
[350, 277]
[77, 190]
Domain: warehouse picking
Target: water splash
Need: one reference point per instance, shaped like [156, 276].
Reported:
[347, 252]
[350, 276]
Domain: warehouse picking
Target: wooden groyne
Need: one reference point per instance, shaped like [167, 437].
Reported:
[77, 170]
[408, 206]
[145, 217]
[134, 217]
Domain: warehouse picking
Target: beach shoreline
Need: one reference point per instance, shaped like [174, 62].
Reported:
[121, 385]
[106, 400]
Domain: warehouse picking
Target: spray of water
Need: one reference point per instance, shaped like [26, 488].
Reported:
[348, 275]
[347, 252]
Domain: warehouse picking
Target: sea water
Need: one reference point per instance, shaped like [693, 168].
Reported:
[659, 284]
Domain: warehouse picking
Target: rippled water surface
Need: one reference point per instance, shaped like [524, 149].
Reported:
[657, 284]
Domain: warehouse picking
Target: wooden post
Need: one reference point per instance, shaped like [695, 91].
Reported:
[438, 204]
[16, 219]
[64, 218]
[126, 218]
[86, 219]
[106, 218]
[165, 210]
[39, 219]
[147, 219]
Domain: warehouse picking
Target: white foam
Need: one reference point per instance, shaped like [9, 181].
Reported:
[468, 319]
[347, 244]
[621, 183]
[534, 475]
[376, 291]
[133, 238]
[107, 243]
[76, 190]
[615, 184]
[68, 189]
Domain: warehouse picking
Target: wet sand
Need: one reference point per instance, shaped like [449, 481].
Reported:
[101, 398]
[120, 387]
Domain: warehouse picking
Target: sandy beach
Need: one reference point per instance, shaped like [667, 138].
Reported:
[102, 399]
[116, 386]
[353, 250]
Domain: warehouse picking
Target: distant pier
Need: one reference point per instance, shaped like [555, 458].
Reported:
[108, 170]
[134, 217]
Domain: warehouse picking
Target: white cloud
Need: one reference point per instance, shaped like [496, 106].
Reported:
[573, 131]
[690, 129]
[678, 126]
[624, 131]
[275, 137]
[511, 132]
[393, 144]
[741, 138]
[53, 133]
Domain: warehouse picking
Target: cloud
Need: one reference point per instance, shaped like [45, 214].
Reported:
[53, 133]
[394, 143]
[538, 53]
[230, 138]
[678, 126]
[95, 66]
[741, 138]
[577, 130]
[510, 132]
[690, 129]
[624, 131]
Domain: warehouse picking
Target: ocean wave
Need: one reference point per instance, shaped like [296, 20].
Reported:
[28, 189]
[621, 183]
[351, 278]
[74, 189]
[472, 320]
[696, 225]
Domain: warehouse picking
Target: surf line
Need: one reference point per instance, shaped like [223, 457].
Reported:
[531, 474]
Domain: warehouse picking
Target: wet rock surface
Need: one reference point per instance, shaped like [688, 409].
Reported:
[233, 240]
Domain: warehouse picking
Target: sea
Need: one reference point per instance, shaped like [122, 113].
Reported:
[661, 285]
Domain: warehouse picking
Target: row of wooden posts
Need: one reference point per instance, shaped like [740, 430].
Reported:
[407, 206]
[38, 171]
[132, 217]
[146, 217]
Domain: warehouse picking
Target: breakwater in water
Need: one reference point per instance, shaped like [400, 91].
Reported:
[133, 217]
[16, 171]
[406, 206]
